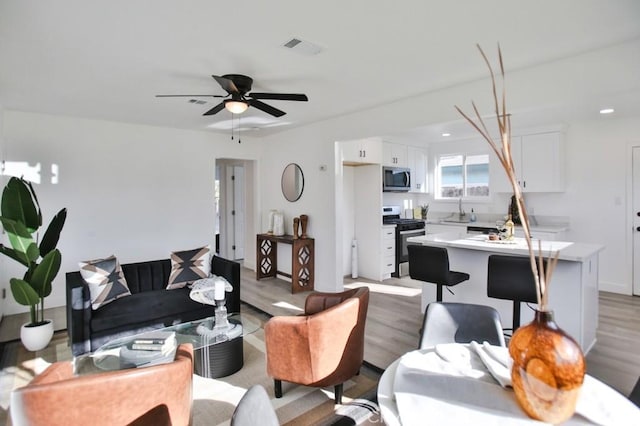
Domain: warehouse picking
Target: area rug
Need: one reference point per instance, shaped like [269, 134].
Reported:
[215, 399]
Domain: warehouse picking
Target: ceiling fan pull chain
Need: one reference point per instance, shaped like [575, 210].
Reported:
[231, 126]
[239, 141]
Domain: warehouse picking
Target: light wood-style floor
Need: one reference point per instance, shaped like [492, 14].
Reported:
[394, 319]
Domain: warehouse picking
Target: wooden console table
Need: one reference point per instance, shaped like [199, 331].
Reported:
[302, 260]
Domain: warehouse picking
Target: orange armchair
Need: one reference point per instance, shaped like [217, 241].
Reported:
[156, 395]
[324, 347]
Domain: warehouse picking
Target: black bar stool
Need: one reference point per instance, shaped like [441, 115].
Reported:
[431, 265]
[510, 278]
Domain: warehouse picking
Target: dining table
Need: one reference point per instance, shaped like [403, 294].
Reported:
[460, 384]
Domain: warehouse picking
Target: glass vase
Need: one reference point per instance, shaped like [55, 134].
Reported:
[548, 369]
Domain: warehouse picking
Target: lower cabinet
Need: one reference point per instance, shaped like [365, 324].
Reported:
[388, 251]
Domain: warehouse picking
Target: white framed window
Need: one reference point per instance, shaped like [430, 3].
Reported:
[462, 176]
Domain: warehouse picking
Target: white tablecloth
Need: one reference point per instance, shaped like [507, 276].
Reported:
[423, 388]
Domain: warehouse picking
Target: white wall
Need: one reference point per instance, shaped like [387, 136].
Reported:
[138, 192]
[529, 89]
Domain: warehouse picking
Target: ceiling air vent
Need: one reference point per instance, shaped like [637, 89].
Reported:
[302, 47]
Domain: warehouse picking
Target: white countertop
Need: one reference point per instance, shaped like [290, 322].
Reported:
[573, 252]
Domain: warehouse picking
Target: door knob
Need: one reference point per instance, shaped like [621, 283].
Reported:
[638, 213]
[638, 228]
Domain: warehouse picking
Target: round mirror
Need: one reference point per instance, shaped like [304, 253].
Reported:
[292, 182]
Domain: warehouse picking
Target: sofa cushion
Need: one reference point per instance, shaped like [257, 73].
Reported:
[188, 266]
[105, 280]
[146, 307]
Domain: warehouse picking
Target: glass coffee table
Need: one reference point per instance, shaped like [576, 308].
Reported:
[217, 353]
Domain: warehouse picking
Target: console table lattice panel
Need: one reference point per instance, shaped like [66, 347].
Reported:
[302, 260]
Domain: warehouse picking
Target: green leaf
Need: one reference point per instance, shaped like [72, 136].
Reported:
[18, 203]
[52, 234]
[45, 272]
[9, 252]
[20, 239]
[23, 293]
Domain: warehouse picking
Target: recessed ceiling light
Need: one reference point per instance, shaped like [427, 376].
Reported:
[446, 134]
[607, 111]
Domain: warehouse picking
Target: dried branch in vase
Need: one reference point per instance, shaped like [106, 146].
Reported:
[503, 152]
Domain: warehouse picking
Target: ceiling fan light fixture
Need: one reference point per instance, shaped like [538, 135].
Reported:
[235, 106]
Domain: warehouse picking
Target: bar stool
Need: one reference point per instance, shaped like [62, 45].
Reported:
[510, 278]
[431, 265]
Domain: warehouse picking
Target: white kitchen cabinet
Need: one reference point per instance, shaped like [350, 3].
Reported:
[394, 155]
[538, 160]
[417, 163]
[388, 250]
[362, 151]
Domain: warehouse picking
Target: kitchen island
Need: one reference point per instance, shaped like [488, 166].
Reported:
[573, 293]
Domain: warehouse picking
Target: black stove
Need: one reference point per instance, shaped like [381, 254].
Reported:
[400, 221]
[405, 228]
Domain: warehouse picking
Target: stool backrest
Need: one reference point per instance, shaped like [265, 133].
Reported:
[429, 264]
[510, 278]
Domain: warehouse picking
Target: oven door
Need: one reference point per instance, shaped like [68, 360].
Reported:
[402, 242]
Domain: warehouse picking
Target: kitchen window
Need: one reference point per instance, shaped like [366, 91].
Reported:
[462, 176]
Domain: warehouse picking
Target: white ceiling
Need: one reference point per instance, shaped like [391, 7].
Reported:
[107, 59]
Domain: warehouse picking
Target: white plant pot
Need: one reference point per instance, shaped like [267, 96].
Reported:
[38, 337]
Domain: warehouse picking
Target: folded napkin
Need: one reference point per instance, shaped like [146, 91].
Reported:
[449, 384]
[495, 358]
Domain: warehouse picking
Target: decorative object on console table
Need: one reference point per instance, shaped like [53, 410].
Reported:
[302, 260]
[278, 223]
[546, 380]
[304, 220]
[271, 220]
[21, 218]
[296, 227]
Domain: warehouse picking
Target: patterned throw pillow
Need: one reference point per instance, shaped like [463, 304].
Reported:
[188, 266]
[105, 280]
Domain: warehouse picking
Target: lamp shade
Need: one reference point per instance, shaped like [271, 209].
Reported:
[236, 106]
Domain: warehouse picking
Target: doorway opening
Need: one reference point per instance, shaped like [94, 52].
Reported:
[234, 207]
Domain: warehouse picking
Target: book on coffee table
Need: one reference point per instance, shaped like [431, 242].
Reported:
[162, 341]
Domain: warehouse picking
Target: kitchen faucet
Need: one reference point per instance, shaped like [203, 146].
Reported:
[461, 213]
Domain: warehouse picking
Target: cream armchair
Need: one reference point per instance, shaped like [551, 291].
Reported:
[324, 347]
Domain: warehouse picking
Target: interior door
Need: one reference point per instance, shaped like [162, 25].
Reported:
[238, 211]
[635, 203]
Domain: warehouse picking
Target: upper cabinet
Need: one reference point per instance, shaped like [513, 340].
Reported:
[539, 164]
[417, 162]
[362, 151]
[394, 155]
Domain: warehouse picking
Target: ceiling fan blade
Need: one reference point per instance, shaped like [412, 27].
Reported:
[280, 96]
[266, 108]
[226, 84]
[191, 96]
[216, 109]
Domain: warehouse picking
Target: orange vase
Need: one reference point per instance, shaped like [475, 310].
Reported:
[548, 369]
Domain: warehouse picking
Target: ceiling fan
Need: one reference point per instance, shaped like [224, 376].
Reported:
[237, 87]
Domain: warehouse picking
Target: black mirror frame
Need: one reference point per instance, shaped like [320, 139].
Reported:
[282, 186]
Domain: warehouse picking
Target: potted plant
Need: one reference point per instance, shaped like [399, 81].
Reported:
[21, 219]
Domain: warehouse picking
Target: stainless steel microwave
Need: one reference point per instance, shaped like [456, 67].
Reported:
[396, 179]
